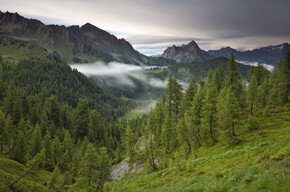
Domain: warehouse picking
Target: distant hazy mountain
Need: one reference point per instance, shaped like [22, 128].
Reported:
[191, 52]
[87, 43]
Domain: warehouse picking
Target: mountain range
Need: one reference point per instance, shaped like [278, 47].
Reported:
[192, 52]
[78, 44]
[88, 43]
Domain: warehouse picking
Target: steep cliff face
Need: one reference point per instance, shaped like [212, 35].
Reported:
[87, 43]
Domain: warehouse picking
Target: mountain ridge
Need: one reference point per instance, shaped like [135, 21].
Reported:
[191, 52]
[77, 44]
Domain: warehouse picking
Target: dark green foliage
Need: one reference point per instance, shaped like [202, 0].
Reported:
[198, 70]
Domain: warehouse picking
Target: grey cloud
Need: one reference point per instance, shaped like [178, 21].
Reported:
[213, 23]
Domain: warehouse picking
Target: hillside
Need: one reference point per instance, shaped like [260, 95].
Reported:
[260, 162]
[185, 71]
[75, 44]
[29, 65]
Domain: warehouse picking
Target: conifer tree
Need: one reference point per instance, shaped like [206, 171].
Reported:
[129, 141]
[104, 168]
[20, 147]
[36, 140]
[234, 78]
[89, 168]
[167, 133]
[228, 111]
[4, 137]
[219, 78]
[251, 92]
[189, 95]
[209, 110]
[280, 81]
[82, 120]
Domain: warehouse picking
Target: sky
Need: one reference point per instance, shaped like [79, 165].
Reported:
[153, 25]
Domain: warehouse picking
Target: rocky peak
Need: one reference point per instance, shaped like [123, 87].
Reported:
[191, 46]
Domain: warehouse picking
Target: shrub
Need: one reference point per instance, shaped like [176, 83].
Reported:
[253, 123]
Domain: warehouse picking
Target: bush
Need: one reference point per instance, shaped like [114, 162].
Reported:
[253, 123]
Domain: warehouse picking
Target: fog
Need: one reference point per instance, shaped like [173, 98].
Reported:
[120, 72]
[267, 66]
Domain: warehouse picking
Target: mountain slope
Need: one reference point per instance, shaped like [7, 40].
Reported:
[185, 71]
[76, 44]
[259, 163]
[29, 65]
[191, 52]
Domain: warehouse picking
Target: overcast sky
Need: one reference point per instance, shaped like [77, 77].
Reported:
[152, 25]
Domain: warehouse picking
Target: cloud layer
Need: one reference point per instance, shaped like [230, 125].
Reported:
[152, 25]
[122, 74]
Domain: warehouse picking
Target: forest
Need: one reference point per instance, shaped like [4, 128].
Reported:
[56, 122]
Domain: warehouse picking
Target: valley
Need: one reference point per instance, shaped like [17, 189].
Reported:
[81, 109]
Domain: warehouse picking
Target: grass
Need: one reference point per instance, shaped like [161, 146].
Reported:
[260, 162]
[12, 170]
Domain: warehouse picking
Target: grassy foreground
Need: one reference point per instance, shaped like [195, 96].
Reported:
[259, 162]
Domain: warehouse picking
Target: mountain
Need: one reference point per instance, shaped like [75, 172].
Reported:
[186, 53]
[269, 55]
[191, 52]
[30, 66]
[87, 43]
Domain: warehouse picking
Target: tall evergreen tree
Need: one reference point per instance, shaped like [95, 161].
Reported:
[209, 110]
[129, 141]
[36, 140]
[82, 120]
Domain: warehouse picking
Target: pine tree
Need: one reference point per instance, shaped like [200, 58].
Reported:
[183, 133]
[82, 120]
[129, 141]
[208, 111]
[228, 111]
[251, 92]
[67, 143]
[234, 78]
[219, 78]
[20, 147]
[189, 95]
[54, 178]
[36, 139]
[174, 90]
[4, 135]
[104, 168]
[167, 133]
[280, 81]
[197, 105]
[90, 167]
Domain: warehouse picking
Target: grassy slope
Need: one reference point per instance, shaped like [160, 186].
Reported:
[12, 170]
[249, 166]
